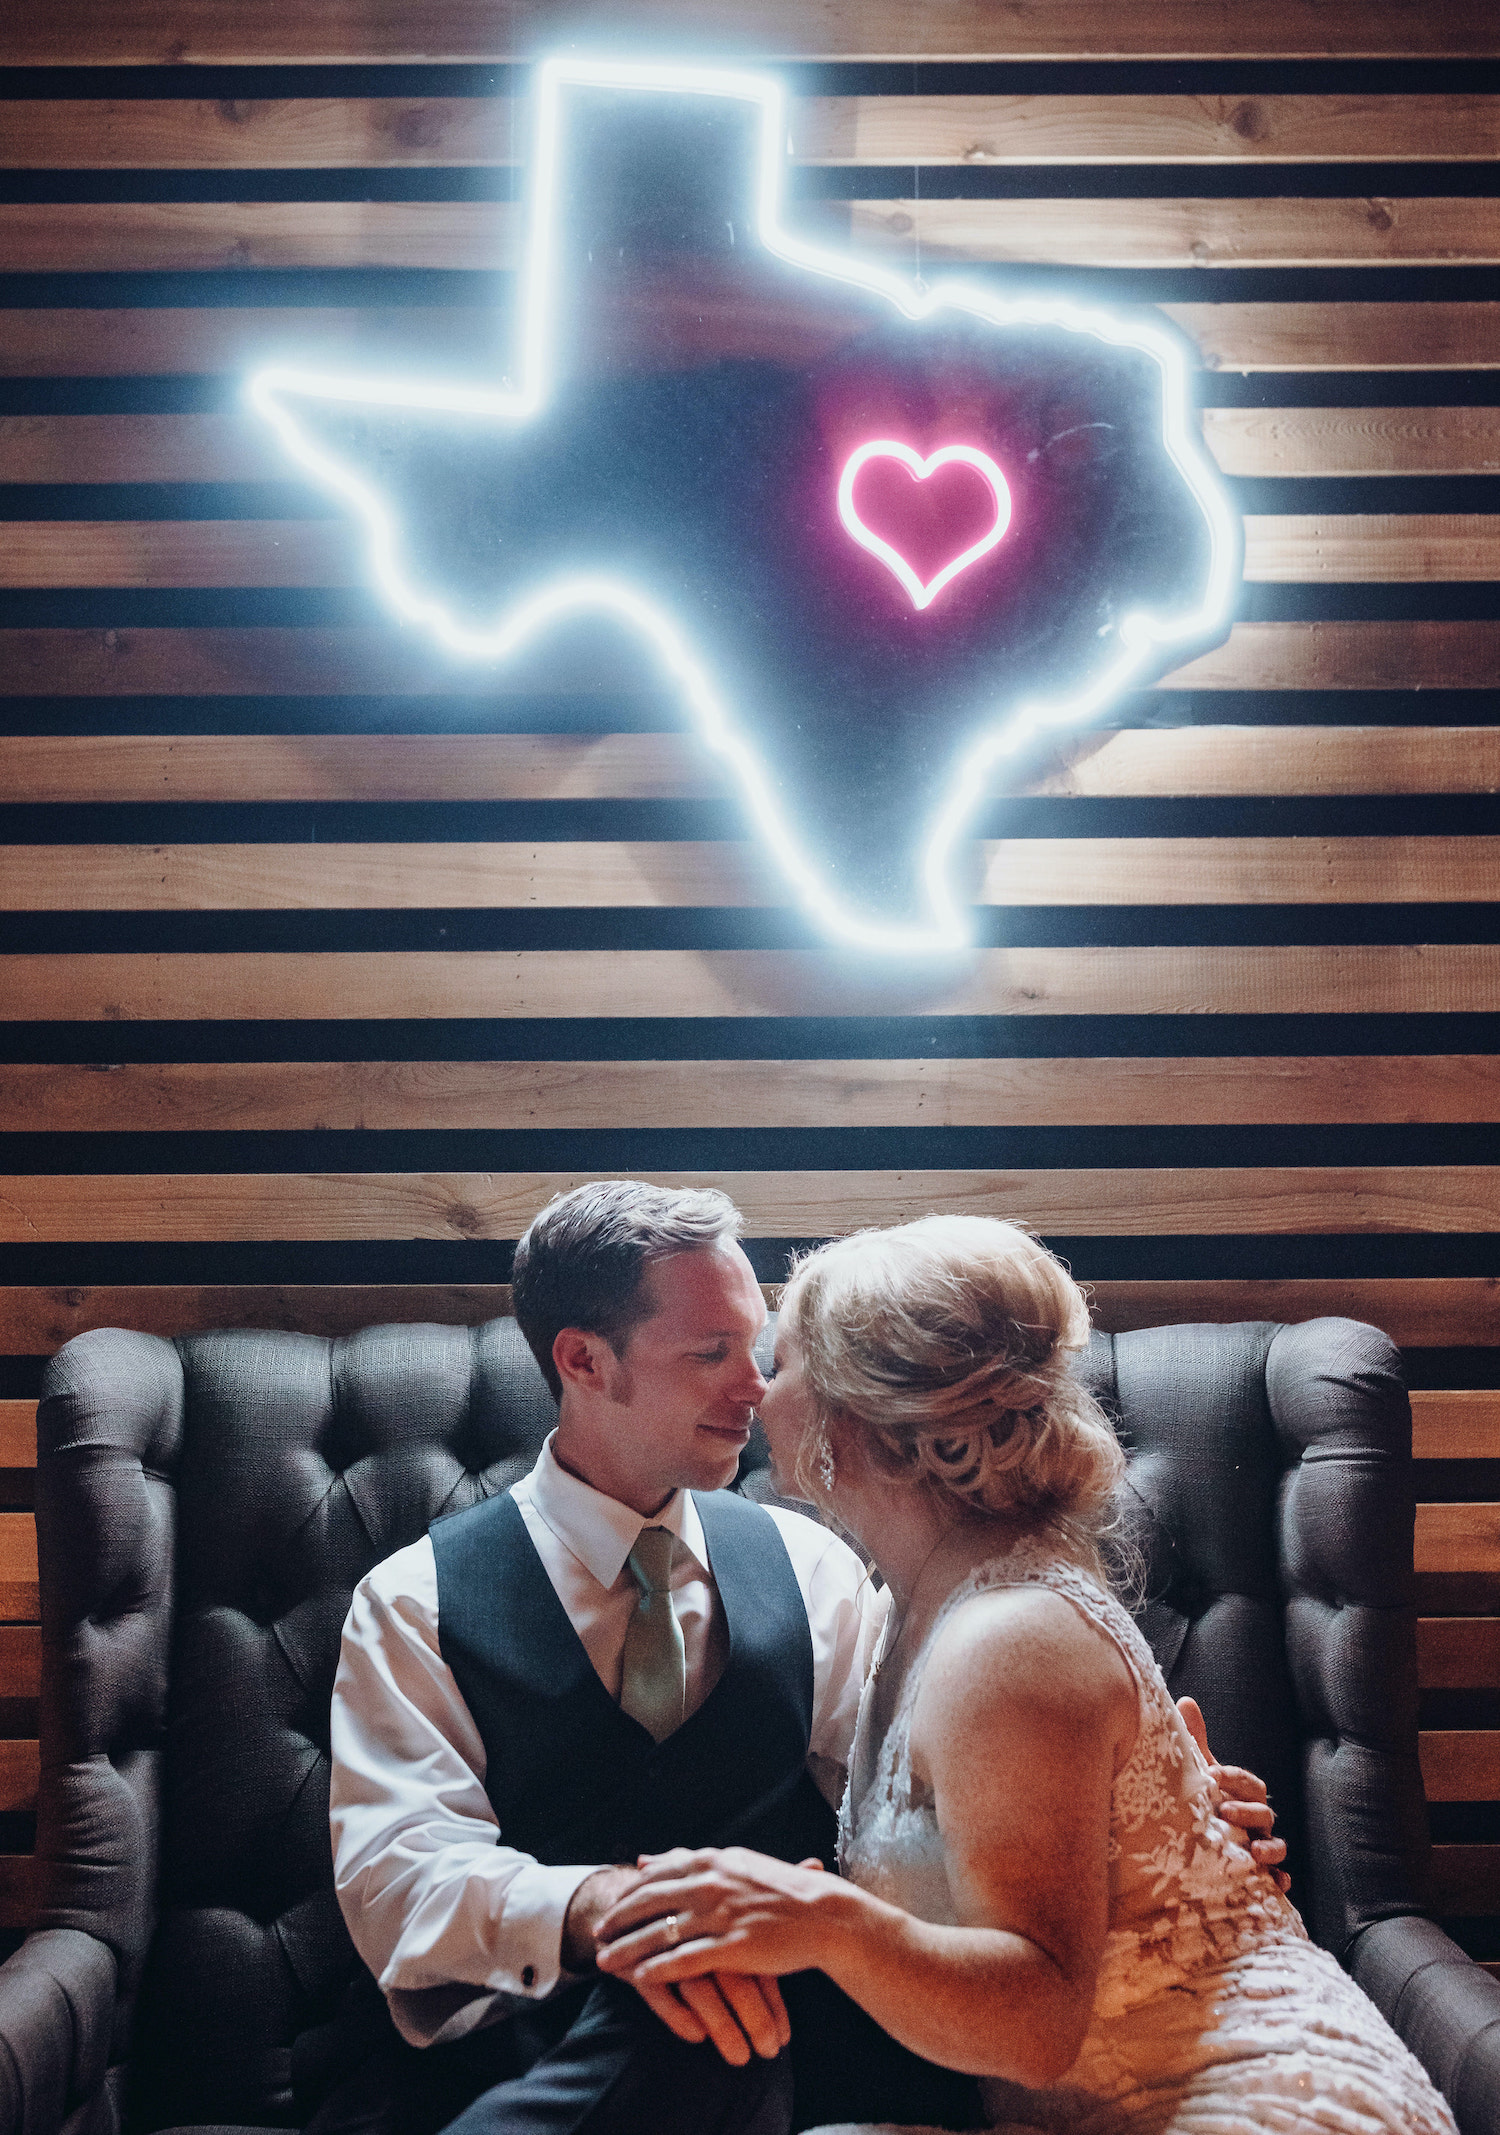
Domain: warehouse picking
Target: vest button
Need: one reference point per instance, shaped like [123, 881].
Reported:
[528, 1975]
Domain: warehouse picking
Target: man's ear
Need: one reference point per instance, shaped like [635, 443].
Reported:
[583, 1359]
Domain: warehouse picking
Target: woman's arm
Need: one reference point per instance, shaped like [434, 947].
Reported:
[1024, 1715]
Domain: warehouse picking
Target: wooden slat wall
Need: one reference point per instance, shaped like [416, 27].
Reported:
[322, 962]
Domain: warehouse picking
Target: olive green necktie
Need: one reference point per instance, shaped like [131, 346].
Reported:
[653, 1684]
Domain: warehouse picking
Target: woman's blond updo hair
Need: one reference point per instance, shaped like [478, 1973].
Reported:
[941, 1350]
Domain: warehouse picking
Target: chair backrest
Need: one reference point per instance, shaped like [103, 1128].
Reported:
[206, 1506]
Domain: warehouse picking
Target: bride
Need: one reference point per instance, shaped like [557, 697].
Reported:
[1036, 1888]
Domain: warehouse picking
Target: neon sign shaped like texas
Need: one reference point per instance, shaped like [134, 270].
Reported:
[696, 392]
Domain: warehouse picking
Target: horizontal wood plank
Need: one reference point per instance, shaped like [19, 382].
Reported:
[341, 661]
[149, 33]
[1015, 872]
[1301, 442]
[17, 1439]
[1180, 761]
[1332, 548]
[1458, 1538]
[1458, 1652]
[353, 661]
[1274, 1201]
[1277, 232]
[1443, 978]
[147, 342]
[20, 1660]
[1456, 1425]
[430, 767]
[1021, 130]
[297, 1096]
[1461, 1764]
[1330, 656]
[478, 236]
[20, 1765]
[1420, 1312]
[18, 1588]
[1243, 760]
[1289, 442]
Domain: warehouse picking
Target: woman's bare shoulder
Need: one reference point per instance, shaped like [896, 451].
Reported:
[1008, 1647]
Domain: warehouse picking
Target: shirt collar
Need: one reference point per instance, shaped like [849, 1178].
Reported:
[598, 1530]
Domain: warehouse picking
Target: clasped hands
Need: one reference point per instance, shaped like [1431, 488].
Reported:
[701, 1934]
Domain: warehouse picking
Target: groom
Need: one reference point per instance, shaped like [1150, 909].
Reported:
[614, 1657]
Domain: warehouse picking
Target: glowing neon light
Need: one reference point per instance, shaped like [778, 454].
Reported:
[1143, 635]
[882, 448]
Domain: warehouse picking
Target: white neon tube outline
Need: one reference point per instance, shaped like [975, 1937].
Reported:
[1143, 633]
[885, 448]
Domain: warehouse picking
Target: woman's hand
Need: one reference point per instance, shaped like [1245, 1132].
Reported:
[1246, 1803]
[717, 1910]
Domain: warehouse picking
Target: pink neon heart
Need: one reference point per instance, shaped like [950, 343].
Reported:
[922, 596]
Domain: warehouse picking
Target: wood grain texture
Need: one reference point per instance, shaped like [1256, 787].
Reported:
[1458, 1652]
[102, 878]
[182, 32]
[435, 132]
[1326, 656]
[20, 1766]
[1360, 979]
[350, 661]
[1458, 1538]
[1458, 1425]
[1235, 760]
[1277, 232]
[1291, 442]
[297, 1096]
[1332, 548]
[195, 236]
[1273, 1201]
[20, 1660]
[1296, 442]
[18, 1588]
[439, 767]
[1196, 760]
[1342, 337]
[1021, 872]
[149, 342]
[17, 1436]
[1460, 1764]
[1419, 1312]
[344, 662]
[486, 236]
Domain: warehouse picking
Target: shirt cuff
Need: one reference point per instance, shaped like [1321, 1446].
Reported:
[536, 1900]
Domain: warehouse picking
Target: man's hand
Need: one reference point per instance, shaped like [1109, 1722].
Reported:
[1245, 1803]
[740, 2013]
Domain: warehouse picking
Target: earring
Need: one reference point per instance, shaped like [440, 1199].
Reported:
[824, 1452]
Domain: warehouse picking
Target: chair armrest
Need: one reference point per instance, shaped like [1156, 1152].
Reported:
[1444, 2007]
[57, 2013]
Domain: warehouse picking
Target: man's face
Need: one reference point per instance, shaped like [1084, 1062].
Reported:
[676, 1407]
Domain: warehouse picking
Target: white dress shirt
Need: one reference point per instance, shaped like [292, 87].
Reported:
[456, 1926]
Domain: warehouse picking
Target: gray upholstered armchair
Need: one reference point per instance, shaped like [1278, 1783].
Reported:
[205, 1507]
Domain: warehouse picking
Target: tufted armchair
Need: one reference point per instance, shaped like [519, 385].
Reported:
[205, 1507]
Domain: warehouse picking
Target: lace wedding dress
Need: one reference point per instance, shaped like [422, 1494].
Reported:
[1214, 2015]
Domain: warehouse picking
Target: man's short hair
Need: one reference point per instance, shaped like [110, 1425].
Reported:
[583, 1262]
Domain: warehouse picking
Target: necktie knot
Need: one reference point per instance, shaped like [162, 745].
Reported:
[651, 1560]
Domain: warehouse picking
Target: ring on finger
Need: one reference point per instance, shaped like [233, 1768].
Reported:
[672, 1929]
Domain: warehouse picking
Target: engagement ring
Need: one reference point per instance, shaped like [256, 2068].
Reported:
[673, 1928]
